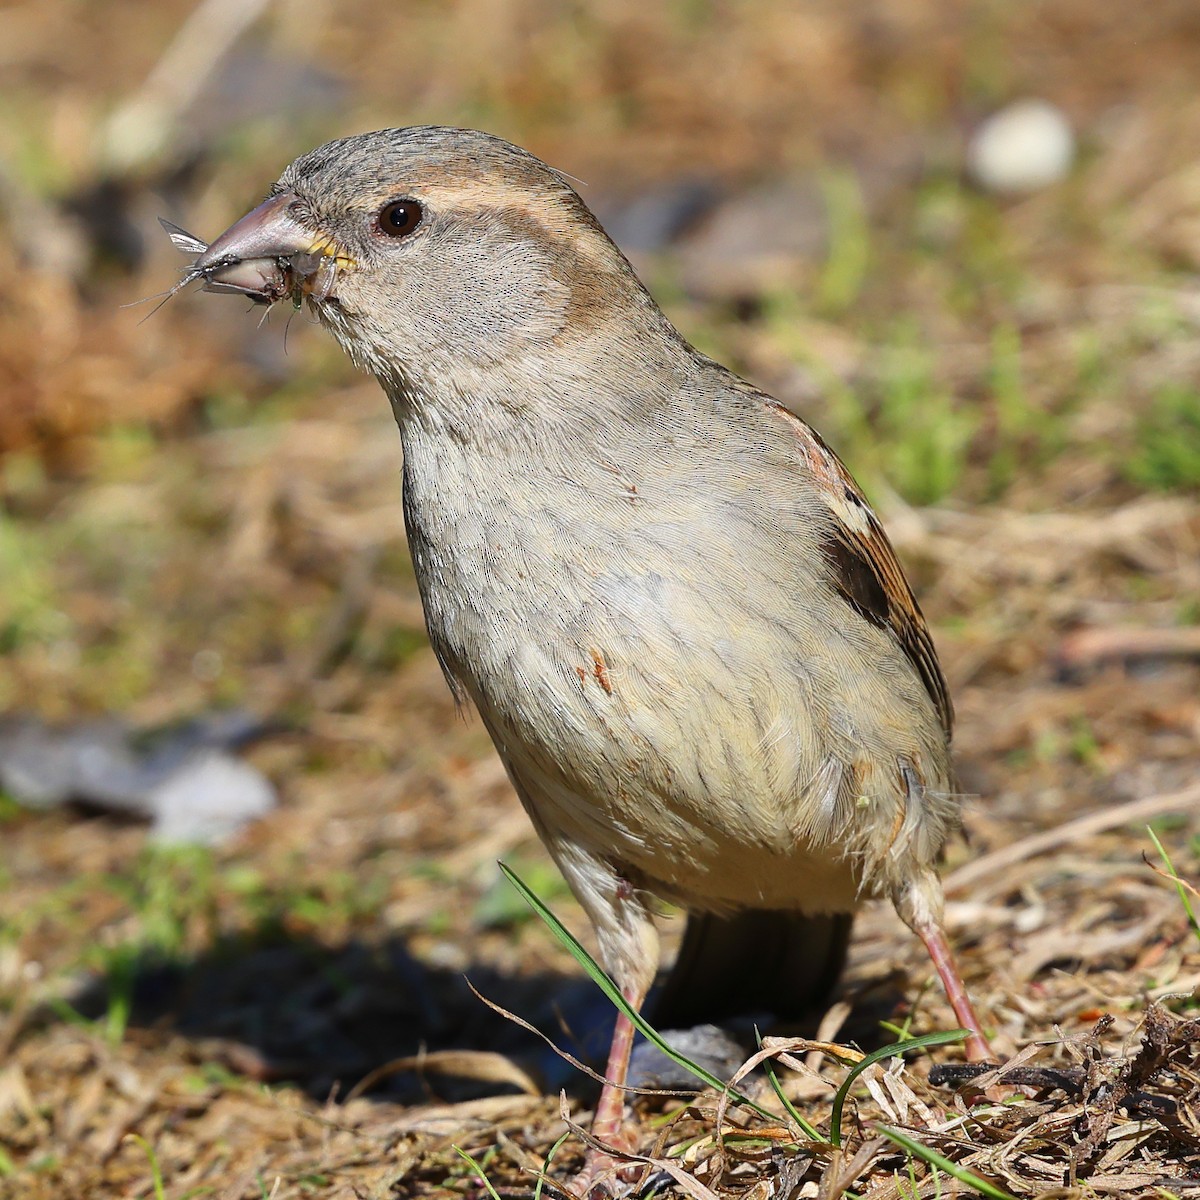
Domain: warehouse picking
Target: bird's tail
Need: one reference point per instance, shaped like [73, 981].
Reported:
[757, 961]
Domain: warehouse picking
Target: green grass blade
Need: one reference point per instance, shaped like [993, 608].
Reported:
[809, 1130]
[941, 1163]
[940, 1038]
[537, 1191]
[1184, 895]
[487, 1183]
[610, 989]
[160, 1192]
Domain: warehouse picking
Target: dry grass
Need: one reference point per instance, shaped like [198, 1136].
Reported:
[191, 517]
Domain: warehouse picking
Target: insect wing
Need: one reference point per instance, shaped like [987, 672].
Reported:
[183, 241]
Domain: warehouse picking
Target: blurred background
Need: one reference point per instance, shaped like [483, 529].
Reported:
[244, 836]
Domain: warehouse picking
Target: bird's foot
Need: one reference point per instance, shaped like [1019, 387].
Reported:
[604, 1176]
[605, 1172]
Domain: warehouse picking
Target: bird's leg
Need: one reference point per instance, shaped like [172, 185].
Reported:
[610, 1108]
[628, 942]
[920, 905]
[934, 937]
[601, 1169]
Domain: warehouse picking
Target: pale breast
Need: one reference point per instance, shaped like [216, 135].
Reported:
[642, 662]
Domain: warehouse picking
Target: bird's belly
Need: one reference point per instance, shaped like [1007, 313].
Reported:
[700, 730]
[670, 772]
[635, 722]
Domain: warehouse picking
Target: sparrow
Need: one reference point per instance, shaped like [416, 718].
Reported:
[677, 615]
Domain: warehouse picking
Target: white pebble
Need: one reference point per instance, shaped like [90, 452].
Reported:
[208, 799]
[1024, 147]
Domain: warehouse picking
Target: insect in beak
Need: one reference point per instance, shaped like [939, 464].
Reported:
[267, 255]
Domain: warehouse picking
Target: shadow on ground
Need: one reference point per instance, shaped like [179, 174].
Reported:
[286, 1008]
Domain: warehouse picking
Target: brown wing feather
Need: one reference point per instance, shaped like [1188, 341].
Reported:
[863, 566]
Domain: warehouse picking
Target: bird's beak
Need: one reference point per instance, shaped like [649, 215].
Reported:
[268, 255]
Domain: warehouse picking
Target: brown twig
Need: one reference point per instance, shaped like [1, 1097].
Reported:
[1050, 839]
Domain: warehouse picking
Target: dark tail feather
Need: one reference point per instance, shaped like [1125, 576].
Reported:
[785, 963]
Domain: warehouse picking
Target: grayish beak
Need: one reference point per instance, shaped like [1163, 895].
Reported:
[268, 255]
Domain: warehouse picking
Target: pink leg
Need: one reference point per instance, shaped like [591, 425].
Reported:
[610, 1108]
[608, 1125]
[628, 944]
[934, 937]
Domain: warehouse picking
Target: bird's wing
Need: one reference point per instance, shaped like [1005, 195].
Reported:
[863, 567]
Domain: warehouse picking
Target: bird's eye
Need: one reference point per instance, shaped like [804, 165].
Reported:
[400, 217]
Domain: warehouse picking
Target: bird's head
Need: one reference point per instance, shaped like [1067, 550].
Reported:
[429, 246]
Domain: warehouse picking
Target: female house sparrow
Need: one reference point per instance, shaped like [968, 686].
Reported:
[682, 624]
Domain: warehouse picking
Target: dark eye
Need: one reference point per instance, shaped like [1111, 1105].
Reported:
[400, 217]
